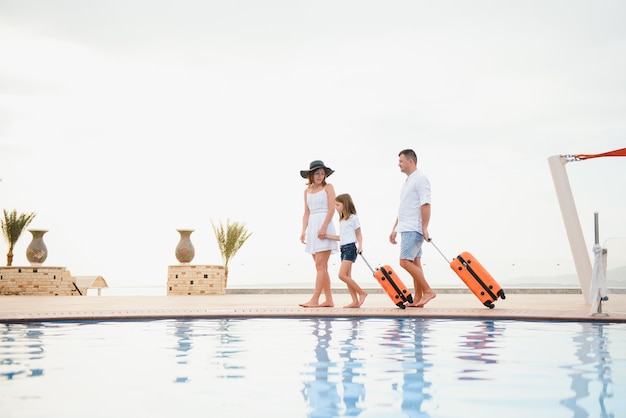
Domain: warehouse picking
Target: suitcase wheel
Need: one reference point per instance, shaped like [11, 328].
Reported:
[401, 305]
[409, 298]
[501, 294]
[489, 305]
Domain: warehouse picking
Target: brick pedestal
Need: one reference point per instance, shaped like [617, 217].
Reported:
[196, 280]
[37, 281]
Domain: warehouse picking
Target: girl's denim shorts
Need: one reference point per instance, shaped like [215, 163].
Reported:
[348, 252]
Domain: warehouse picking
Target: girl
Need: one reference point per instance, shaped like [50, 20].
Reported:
[351, 244]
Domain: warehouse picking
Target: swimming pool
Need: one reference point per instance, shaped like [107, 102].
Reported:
[313, 367]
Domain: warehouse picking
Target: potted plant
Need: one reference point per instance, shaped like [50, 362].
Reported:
[230, 238]
[12, 228]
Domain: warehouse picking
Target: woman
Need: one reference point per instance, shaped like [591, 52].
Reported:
[319, 201]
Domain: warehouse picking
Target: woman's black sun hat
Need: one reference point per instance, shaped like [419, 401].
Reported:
[315, 165]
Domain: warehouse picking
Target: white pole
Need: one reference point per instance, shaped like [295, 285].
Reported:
[572, 223]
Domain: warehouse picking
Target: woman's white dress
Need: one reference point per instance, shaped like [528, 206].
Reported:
[318, 208]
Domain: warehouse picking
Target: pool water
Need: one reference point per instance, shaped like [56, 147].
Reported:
[313, 367]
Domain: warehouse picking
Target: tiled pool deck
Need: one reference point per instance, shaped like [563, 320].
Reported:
[519, 304]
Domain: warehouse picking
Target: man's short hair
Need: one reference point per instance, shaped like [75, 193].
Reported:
[408, 154]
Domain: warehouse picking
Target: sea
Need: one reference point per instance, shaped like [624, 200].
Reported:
[276, 276]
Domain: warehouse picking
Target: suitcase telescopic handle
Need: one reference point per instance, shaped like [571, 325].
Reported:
[368, 264]
[437, 248]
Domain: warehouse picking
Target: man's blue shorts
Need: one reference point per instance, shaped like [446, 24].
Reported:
[411, 245]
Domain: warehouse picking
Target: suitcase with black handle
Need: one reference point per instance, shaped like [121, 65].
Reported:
[475, 277]
[391, 284]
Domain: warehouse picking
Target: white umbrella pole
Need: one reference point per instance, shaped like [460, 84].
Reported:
[598, 290]
[572, 223]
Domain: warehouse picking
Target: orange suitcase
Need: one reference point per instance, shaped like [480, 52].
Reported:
[391, 284]
[476, 278]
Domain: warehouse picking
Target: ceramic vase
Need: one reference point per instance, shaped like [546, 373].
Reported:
[37, 252]
[185, 250]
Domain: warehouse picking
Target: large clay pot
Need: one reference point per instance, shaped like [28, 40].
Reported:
[37, 252]
[185, 250]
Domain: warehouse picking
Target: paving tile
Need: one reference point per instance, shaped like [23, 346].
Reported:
[533, 306]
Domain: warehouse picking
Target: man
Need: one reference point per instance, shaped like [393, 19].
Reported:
[412, 224]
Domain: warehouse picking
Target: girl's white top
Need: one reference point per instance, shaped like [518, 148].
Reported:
[347, 230]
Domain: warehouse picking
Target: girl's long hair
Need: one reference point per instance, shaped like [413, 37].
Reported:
[348, 206]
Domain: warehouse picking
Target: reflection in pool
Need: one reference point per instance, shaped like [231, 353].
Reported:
[313, 367]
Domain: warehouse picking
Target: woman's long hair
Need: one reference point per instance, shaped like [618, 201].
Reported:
[311, 179]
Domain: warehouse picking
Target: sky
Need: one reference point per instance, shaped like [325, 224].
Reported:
[123, 121]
